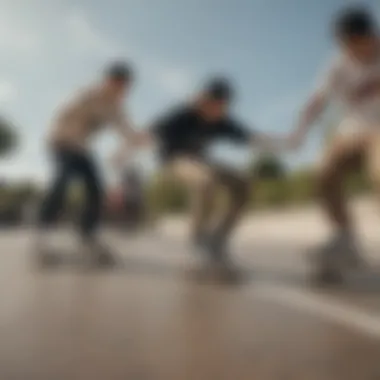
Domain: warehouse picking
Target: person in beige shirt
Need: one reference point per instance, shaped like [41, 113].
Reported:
[353, 80]
[74, 126]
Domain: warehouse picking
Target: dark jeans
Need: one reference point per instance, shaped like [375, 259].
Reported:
[71, 164]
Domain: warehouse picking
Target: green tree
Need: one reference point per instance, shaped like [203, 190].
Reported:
[302, 186]
[166, 194]
[8, 137]
[269, 167]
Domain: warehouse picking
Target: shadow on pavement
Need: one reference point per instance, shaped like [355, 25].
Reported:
[248, 271]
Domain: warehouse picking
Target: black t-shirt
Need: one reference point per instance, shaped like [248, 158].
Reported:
[184, 132]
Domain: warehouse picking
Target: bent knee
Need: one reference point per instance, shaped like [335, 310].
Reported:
[239, 189]
[193, 173]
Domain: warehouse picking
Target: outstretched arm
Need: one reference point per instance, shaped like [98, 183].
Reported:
[270, 143]
[310, 113]
[317, 102]
[131, 140]
[157, 132]
[313, 109]
[257, 140]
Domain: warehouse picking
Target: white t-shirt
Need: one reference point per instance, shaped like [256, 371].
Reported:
[356, 86]
[84, 115]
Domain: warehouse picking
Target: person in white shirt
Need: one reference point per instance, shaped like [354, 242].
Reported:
[353, 79]
[76, 123]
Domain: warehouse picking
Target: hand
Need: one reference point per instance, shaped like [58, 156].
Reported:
[115, 161]
[294, 141]
[120, 160]
[145, 139]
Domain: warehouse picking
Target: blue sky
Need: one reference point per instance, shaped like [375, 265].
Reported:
[274, 50]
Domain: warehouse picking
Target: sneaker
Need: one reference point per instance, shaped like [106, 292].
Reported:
[217, 249]
[200, 241]
[45, 256]
[336, 257]
[98, 254]
[225, 270]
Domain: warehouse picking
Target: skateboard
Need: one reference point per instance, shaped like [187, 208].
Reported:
[60, 258]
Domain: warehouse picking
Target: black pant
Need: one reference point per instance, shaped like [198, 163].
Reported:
[71, 164]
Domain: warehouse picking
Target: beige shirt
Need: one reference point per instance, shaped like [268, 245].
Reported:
[87, 113]
[356, 86]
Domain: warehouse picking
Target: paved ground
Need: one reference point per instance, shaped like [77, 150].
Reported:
[156, 319]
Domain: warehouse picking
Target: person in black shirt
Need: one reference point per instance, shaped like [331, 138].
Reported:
[183, 136]
[187, 132]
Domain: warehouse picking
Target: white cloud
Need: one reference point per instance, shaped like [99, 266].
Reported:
[273, 111]
[175, 80]
[89, 39]
[17, 35]
[8, 92]
[86, 37]
[15, 169]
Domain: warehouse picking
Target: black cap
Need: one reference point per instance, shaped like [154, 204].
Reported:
[355, 22]
[121, 71]
[219, 89]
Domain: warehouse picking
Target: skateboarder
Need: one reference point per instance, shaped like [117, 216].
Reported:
[353, 79]
[76, 123]
[183, 136]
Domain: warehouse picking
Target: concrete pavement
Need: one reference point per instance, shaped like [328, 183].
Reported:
[154, 319]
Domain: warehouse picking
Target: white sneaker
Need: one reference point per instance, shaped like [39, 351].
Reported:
[97, 253]
[43, 253]
[339, 255]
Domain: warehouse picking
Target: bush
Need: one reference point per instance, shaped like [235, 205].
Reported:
[269, 167]
[270, 193]
[166, 194]
[302, 187]
[8, 137]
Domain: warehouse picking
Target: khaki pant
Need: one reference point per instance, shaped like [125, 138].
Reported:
[344, 154]
[203, 182]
